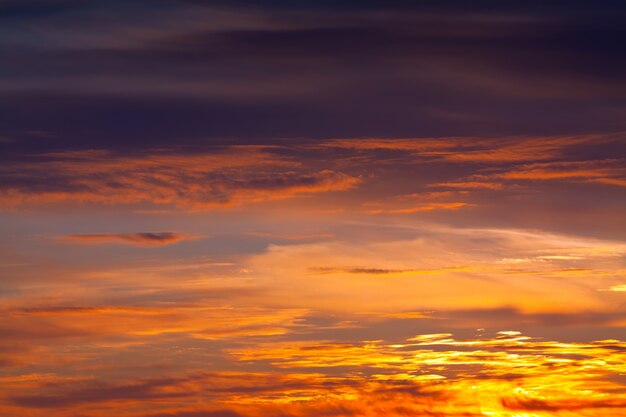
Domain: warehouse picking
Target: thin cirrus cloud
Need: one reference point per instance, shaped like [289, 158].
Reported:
[136, 239]
[420, 202]
[497, 150]
[608, 171]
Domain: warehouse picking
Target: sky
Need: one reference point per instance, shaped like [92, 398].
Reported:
[329, 208]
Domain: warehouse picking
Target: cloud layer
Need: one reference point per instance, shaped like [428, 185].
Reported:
[329, 208]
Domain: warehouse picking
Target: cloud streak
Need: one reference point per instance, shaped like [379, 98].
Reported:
[136, 239]
[235, 176]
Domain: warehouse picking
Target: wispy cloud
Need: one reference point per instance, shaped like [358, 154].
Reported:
[610, 171]
[470, 185]
[137, 239]
[234, 176]
[387, 272]
[420, 202]
[504, 150]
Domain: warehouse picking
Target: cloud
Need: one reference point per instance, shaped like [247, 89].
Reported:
[197, 413]
[97, 392]
[499, 317]
[141, 104]
[421, 208]
[602, 171]
[445, 268]
[470, 185]
[510, 370]
[222, 71]
[384, 271]
[47, 325]
[419, 202]
[567, 405]
[463, 150]
[423, 375]
[137, 239]
[234, 176]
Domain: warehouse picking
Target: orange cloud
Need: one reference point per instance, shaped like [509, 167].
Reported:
[475, 149]
[285, 329]
[601, 171]
[470, 184]
[423, 207]
[481, 376]
[562, 405]
[387, 272]
[233, 176]
[137, 239]
[65, 323]
[443, 269]
[419, 202]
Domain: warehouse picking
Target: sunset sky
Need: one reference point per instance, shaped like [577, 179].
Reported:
[312, 208]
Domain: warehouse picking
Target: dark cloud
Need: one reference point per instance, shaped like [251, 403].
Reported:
[101, 392]
[86, 76]
[139, 239]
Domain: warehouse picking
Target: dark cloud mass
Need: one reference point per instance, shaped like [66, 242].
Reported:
[148, 73]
